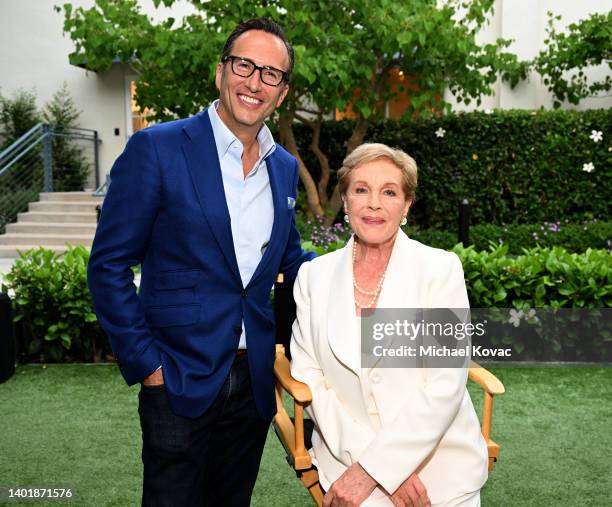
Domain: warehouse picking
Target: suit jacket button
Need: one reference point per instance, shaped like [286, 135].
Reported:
[244, 294]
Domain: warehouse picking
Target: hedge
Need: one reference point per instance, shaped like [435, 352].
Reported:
[545, 278]
[53, 304]
[541, 277]
[514, 166]
[575, 238]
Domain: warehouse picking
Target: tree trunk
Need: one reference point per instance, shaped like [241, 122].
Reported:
[288, 140]
[357, 136]
[322, 158]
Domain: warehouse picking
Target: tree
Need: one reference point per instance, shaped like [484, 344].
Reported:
[17, 116]
[347, 54]
[70, 167]
[561, 64]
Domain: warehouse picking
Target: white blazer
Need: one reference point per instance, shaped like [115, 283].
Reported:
[427, 419]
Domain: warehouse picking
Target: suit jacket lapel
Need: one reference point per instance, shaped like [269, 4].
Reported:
[342, 326]
[278, 198]
[400, 289]
[203, 164]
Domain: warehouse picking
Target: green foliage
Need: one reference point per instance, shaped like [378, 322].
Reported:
[572, 237]
[549, 278]
[70, 167]
[12, 200]
[17, 116]
[562, 64]
[321, 238]
[363, 41]
[513, 166]
[53, 303]
[346, 56]
[540, 277]
[176, 65]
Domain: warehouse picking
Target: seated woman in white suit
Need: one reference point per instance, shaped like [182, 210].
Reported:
[383, 436]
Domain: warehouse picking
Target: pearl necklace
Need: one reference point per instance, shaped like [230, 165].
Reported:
[374, 293]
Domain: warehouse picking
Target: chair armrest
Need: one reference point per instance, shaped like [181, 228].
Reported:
[291, 433]
[282, 370]
[485, 379]
[491, 386]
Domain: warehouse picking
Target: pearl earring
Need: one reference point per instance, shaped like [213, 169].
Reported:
[404, 221]
[346, 218]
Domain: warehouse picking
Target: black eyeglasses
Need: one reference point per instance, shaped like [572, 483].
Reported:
[244, 67]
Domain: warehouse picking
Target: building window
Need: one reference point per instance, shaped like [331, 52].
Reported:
[136, 118]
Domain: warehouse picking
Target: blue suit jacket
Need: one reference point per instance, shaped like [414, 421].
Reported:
[166, 209]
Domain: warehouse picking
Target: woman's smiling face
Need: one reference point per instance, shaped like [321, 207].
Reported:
[375, 201]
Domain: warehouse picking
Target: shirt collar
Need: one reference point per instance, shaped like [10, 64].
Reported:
[224, 137]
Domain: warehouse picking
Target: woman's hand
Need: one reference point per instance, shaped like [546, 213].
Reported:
[351, 489]
[411, 493]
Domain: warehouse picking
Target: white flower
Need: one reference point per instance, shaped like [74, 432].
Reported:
[488, 111]
[440, 132]
[596, 135]
[515, 317]
[588, 168]
[530, 316]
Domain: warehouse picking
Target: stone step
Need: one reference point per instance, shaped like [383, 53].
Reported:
[62, 206]
[51, 217]
[12, 251]
[70, 197]
[45, 239]
[52, 228]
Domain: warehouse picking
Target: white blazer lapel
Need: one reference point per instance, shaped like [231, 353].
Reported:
[342, 328]
[401, 286]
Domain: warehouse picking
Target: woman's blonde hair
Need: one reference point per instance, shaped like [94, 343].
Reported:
[372, 151]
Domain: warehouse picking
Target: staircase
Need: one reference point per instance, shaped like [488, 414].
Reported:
[56, 219]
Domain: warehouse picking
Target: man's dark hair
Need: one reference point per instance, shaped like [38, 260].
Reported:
[264, 25]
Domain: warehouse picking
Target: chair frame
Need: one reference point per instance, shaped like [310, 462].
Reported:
[291, 433]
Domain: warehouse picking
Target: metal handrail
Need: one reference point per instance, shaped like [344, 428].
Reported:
[22, 154]
[26, 143]
[21, 141]
[102, 189]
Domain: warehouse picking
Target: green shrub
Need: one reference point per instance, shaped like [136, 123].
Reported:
[576, 238]
[514, 166]
[433, 237]
[545, 278]
[540, 277]
[53, 303]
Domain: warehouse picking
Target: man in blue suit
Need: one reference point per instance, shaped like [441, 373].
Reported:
[206, 206]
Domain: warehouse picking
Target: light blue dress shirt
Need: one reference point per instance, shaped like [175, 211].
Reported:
[249, 200]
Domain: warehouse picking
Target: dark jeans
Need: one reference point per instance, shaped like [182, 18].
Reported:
[209, 461]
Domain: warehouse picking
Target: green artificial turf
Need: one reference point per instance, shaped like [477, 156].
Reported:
[76, 426]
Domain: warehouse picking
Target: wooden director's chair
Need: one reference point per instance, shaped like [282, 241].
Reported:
[295, 434]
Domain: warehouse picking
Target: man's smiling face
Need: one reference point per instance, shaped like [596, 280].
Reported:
[245, 102]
